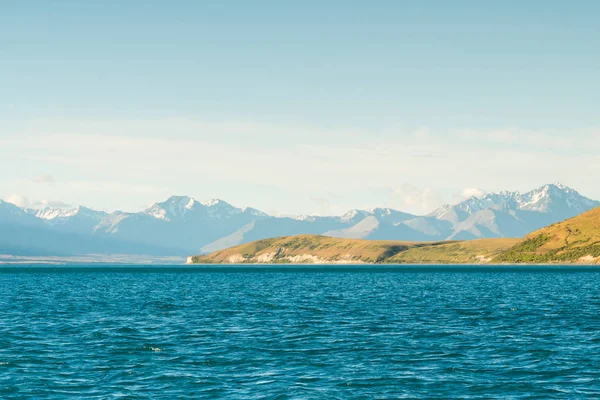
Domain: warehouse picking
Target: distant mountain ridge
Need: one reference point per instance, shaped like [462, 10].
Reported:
[182, 225]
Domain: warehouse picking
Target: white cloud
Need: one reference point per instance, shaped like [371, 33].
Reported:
[469, 192]
[323, 206]
[19, 201]
[25, 202]
[411, 199]
[128, 164]
[472, 192]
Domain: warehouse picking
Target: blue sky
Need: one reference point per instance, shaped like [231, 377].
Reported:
[296, 108]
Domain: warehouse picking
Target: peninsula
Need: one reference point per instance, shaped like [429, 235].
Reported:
[573, 241]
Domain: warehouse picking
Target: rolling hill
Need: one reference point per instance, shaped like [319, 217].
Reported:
[576, 240]
[315, 249]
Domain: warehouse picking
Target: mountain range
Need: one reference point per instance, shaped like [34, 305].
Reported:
[181, 225]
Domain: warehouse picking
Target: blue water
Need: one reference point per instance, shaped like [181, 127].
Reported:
[272, 333]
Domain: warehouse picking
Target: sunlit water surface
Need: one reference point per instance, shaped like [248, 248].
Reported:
[204, 333]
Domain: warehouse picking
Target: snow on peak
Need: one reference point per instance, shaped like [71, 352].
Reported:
[380, 211]
[50, 213]
[190, 204]
[305, 217]
[561, 186]
[542, 199]
[353, 214]
[441, 211]
[219, 209]
[53, 213]
[555, 187]
[181, 201]
[550, 196]
[254, 211]
[177, 207]
[174, 207]
[350, 214]
[157, 212]
[212, 202]
[535, 200]
[61, 215]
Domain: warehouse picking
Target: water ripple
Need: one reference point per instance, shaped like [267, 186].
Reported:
[105, 334]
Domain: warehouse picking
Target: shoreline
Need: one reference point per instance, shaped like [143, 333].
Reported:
[101, 264]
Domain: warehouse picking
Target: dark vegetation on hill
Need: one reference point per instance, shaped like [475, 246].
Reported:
[574, 240]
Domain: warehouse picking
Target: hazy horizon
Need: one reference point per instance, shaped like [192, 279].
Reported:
[306, 109]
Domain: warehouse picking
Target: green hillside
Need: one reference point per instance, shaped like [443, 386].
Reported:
[479, 251]
[576, 240]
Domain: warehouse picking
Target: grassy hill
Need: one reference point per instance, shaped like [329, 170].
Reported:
[321, 249]
[479, 251]
[576, 240]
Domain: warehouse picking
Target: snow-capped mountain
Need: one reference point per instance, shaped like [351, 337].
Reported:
[56, 215]
[173, 209]
[555, 198]
[79, 219]
[548, 198]
[180, 222]
[179, 208]
[513, 214]
[182, 225]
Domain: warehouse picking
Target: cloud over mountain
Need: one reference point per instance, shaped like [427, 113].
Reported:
[25, 202]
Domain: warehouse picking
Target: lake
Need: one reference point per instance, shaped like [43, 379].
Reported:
[318, 332]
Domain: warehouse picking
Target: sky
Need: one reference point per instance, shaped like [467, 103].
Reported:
[312, 107]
